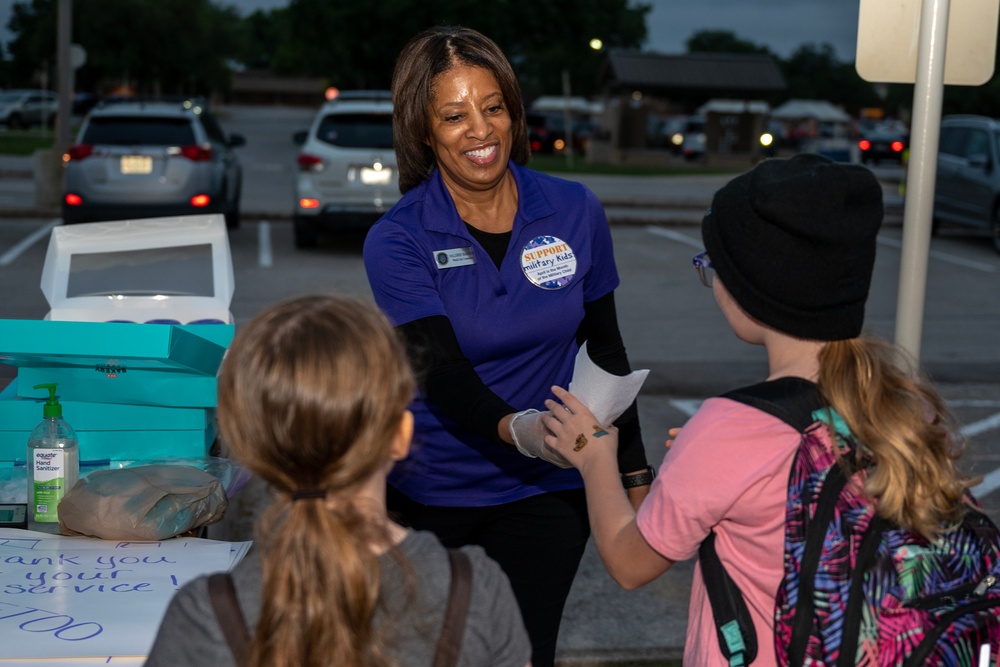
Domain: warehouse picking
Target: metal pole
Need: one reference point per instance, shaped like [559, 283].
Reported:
[921, 173]
[567, 118]
[65, 77]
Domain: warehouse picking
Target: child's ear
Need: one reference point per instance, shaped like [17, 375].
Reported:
[404, 435]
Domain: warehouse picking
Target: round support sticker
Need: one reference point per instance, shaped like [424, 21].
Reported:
[548, 262]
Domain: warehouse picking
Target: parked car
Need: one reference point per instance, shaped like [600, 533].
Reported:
[347, 168]
[151, 159]
[967, 191]
[547, 132]
[24, 108]
[884, 142]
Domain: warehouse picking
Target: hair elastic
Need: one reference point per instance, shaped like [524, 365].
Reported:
[300, 494]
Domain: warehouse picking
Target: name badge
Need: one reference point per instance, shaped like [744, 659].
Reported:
[548, 262]
[453, 257]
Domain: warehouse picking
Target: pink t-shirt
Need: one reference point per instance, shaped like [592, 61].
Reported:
[727, 471]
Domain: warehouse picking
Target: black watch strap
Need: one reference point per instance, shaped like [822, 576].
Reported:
[643, 478]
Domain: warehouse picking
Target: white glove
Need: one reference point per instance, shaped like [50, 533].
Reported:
[528, 432]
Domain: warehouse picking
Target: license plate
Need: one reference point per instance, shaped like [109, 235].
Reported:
[136, 164]
[370, 176]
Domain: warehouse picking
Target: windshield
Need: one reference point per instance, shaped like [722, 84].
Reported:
[124, 131]
[356, 130]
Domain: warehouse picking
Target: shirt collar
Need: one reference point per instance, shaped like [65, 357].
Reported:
[440, 214]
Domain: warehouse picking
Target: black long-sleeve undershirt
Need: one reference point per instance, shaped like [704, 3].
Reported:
[450, 382]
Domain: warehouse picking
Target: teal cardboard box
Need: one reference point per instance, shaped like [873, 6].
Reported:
[165, 365]
[109, 432]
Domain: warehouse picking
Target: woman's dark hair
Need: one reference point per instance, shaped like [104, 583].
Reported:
[422, 60]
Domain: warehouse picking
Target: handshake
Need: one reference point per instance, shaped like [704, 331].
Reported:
[605, 395]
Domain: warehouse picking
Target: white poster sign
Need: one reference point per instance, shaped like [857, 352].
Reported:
[71, 597]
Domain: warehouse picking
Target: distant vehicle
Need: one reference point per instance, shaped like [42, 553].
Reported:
[547, 132]
[347, 168]
[143, 160]
[83, 102]
[967, 191]
[883, 143]
[692, 138]
[24, 108]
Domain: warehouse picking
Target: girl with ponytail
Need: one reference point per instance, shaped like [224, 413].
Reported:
[313, 398]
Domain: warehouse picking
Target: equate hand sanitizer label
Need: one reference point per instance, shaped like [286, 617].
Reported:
[49, 467]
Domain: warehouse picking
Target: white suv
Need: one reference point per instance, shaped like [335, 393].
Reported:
[347, 168]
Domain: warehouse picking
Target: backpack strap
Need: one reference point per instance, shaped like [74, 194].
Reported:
[459, 594]
[792, 400]
[733, 624]
[222, 593]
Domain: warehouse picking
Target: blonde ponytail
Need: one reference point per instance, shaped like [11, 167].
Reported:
[903, 426]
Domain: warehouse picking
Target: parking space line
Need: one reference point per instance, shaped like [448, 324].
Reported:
[943, 256]
[975, 428]
[30, 240]
[676, 236]
[265, 258]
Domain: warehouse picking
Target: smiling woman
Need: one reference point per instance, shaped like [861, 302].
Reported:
[455, 266]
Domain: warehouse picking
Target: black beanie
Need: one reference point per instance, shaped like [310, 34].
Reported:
[793, 241]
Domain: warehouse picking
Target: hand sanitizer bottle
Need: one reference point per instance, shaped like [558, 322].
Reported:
[53, 464]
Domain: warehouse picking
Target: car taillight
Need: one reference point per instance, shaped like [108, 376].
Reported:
[78, 152]
[200, 200]
[73, 199]
[196, 153]
[536, 145]
[897, 147]
[864, 144]
[309, 162]
[309, 203]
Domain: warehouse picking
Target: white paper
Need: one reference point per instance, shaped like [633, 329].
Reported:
[604, 394]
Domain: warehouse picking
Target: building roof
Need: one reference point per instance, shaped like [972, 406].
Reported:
[821, 110]
[722, 72]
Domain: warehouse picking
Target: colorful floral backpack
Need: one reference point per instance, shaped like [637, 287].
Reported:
[858, 590]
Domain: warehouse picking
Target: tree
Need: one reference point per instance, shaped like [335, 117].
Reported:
[722, 41]
[355, 44]
[175, 47]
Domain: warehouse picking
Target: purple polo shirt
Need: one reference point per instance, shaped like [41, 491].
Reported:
[517, 325]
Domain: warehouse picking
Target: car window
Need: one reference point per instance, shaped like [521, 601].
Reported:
[123, 131]
[952, 141]
[212, 128]
[356, 130]
[977, 143]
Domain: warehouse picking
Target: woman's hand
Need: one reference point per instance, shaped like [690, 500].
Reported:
[576, 437]
[673, 433]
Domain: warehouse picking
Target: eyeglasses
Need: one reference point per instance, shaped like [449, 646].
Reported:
[703, 265]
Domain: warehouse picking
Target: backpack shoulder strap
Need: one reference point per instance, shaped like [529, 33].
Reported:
[790, 399]
[222, 593]
[460, 593]
[793, 401]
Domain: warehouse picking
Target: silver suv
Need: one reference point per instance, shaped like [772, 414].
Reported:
[347, 168]
[968, 174]
[152, 159]
[23, 108]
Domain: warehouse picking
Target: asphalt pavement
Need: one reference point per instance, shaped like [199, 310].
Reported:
[602, 623]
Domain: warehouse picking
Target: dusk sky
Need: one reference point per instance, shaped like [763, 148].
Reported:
[781, 25]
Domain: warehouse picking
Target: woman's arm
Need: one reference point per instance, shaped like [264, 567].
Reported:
[449, 381]
[606, 348]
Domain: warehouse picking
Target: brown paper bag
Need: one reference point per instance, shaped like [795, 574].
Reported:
[150, 502]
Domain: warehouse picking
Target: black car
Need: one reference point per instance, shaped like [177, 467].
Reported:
[547, 133]
[884, 143]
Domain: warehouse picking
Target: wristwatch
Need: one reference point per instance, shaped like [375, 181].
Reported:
[639, 479]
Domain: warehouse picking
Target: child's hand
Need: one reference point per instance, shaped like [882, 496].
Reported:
[673, 434]
[575, 435]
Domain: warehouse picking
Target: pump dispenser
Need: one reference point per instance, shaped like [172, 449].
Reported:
[53, 463]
